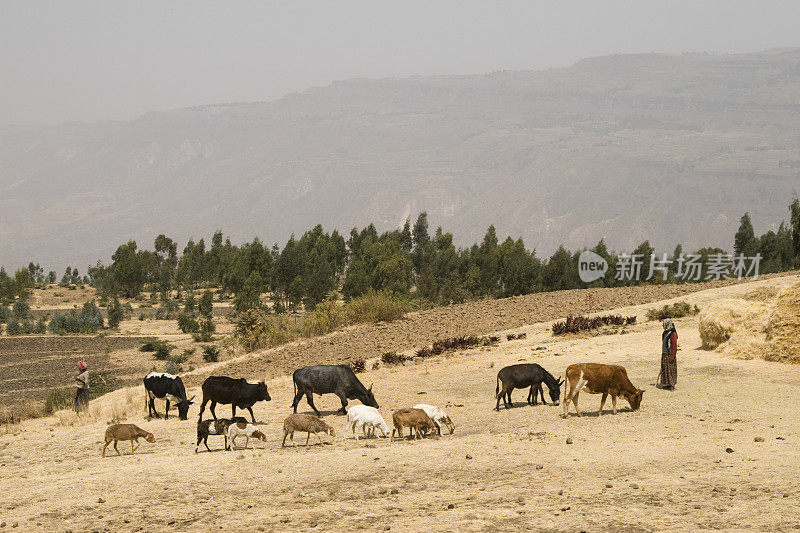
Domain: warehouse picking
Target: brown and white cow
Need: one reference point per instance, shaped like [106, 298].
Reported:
[596, 378]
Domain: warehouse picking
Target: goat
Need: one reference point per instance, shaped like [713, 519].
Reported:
[366, 418]
[238, 429]
[415, 419]
[119, 432]
[306, 423]
[439, 417]
[214, 427]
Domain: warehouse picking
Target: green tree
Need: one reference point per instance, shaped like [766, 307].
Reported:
[115, 314]
[745, 242]
[794, 210]
[129, 269]
[250, 295]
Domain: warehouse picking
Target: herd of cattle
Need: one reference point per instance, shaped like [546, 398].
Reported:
[593, 378]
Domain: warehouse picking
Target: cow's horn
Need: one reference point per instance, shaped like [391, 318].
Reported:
[192, 398]
[370, 386]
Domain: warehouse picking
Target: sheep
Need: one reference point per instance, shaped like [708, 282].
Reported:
[238, 429]
[415, 419]
[439, 417]
[130, 432]
[307, 423]
[214, 427]
[366, 418]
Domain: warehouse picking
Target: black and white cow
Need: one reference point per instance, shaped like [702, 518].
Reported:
[169, 387]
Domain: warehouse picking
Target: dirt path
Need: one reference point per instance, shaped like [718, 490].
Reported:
[664, 467]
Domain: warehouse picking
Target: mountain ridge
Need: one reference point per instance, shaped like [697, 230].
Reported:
[671, 148]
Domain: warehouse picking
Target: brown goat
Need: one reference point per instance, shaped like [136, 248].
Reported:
[130, 432]
[305, 423]
[415, 419]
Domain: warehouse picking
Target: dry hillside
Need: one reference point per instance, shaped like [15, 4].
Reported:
[720, 452]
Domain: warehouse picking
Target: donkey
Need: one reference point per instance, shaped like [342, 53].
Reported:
[526, 375]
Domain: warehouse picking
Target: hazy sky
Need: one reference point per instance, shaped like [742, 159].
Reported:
[79, 60]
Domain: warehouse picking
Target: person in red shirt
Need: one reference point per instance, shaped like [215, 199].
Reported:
[668, 376]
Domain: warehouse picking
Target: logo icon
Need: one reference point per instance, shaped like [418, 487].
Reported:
[591, 266]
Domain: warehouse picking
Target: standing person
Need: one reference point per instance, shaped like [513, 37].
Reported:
[82, 393]
[668, 376]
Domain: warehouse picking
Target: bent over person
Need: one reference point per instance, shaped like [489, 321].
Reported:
[668, 376]
[82, 393]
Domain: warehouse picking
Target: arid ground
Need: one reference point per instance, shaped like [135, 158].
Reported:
[720, 452]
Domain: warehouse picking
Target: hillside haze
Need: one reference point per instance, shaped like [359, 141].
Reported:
[626, 148]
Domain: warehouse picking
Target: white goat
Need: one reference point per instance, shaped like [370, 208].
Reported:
[367, 418]
[238, 429]
[438, 415]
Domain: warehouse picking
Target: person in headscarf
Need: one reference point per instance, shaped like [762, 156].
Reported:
[668, 376]
[82, 384]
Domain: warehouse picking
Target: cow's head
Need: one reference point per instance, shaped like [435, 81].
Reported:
[183, 408]
[150, 437]
[368, 398]
[259, 435]
[261, 391]
[635, 399]
[555, 392]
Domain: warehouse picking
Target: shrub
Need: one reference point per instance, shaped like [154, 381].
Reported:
[20, 309]
[393, 358]
[160, 348]
[181, 357]
[255, 331]
[376, 306]
[358, 366]
[328, 316]
[5, 313]
[56, 400]
[211, 354]
[115, 314]
[676, 310]
[578, 323]
[163, 350]
[14, 327]
[88, 320]
[167, 310]
[187, 323]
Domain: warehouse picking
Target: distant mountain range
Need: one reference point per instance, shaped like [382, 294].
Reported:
[670, 148]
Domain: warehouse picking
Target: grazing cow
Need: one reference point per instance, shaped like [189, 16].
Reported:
[239, 429]
[130, 432]
[237, 392]
[439, 417]
[416, 420]
[596, 378]
[169, 387]
[522, 376]
[330, 379]
[214, 427]
[366, 418]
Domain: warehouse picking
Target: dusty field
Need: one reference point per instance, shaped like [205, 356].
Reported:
[664, 467]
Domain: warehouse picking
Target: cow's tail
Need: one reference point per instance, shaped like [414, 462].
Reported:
[497, 388]
[294, 384]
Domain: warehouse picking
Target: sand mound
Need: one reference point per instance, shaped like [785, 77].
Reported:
[783, 327]
[728, 318]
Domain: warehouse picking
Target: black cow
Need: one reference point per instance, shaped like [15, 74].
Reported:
[237, 392]
[326, 379]
[169, 387]
[526, 375]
